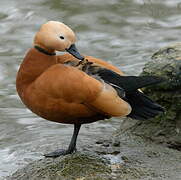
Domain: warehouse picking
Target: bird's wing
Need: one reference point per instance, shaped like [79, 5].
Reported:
[74, 86]
[127, 88]
[69, 58]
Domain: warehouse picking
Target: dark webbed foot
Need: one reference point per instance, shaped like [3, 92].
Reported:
[59, 152]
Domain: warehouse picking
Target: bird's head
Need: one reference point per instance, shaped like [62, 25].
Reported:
[56, 36]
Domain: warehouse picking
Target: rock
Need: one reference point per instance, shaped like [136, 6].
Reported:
[165, 128]
[167, 64]
[138, 159]
[76, 166]
[81, 166]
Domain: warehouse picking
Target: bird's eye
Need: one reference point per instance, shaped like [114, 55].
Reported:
[61, 37]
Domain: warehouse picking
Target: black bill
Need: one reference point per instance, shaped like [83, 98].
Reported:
[73, 50]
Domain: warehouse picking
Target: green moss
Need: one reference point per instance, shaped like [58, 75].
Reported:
[82, 165]
[70, 167]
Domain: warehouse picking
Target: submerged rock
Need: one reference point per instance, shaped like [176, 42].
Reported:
[165, 128]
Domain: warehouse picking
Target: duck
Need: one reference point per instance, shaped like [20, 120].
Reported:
[73, 88]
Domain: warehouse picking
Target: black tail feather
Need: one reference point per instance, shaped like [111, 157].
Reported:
[127, 88]
[142, 107]
[128, 83]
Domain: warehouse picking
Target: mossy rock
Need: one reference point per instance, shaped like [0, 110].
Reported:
[165, 128]
[77, 166]
[166, 63]
[81, 166]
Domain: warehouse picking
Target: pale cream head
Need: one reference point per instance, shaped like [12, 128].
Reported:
[54, 36]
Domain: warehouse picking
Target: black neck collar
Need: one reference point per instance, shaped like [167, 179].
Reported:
[44, 51]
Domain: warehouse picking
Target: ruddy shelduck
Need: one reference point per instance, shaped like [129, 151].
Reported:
[77, 89]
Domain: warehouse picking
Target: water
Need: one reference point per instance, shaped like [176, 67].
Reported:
[123, 32]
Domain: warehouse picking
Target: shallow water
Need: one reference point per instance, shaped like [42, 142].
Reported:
[123, 32]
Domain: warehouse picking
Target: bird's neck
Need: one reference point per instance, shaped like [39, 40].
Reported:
[44, 50]
[33, 65]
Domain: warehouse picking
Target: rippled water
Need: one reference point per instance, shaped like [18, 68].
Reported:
[124, 32]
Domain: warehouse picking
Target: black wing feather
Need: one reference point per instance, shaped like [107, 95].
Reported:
[142, 107]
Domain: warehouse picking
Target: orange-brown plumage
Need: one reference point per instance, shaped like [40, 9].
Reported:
[58, 92]
[76, 89]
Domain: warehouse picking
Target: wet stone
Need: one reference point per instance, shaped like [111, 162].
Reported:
[75, 166]
[165, 128]
[166, 63]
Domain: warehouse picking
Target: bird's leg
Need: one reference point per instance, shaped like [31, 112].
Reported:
[72, 145]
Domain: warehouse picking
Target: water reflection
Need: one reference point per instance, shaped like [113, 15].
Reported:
[123, 32]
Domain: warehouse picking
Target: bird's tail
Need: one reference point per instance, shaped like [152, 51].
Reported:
[143, 108]
[127, 87]
[128, 83]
